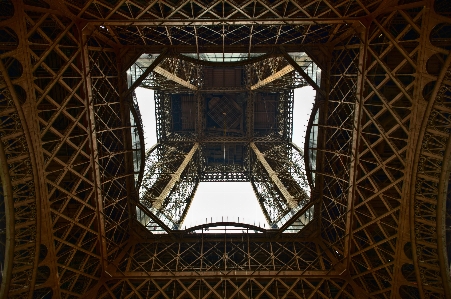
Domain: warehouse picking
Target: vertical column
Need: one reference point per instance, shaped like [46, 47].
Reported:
[200, 114]
[126, 106]
[93, 145]
[356, 131]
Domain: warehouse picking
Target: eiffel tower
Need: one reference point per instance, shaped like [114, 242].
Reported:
[363, 210]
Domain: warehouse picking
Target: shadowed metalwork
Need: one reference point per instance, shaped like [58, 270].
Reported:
[363, 211]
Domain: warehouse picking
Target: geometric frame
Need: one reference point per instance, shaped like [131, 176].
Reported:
[65, 216]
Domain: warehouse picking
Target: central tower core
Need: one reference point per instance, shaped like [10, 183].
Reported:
[228, 121]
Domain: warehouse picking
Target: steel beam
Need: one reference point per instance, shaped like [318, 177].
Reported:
[273, 77]
[273, 175]
[229, 274]
[8, 203]
[221, 21]
[93, 144]
[172, 77]
[301, 72]
[427, 227]
[175, 178]
[146, 73]
[356, 134]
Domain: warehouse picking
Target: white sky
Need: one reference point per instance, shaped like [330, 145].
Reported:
[227, 201]
[146, 104]
[224, 202]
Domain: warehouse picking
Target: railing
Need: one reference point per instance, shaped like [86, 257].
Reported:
[225, 224]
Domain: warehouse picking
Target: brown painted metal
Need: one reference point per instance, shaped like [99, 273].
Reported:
[273, 175]
[382, 175]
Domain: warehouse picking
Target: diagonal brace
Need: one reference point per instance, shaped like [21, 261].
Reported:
[304, 75]
[172, 77]
[175, 177]
[273, 175]
[146, 73]
[273, 77]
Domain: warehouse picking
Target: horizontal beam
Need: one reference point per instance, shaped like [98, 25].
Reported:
[221, 21]
[226, 139]
[269, 49]
[227, 274]
[172, 77]
[273, 77]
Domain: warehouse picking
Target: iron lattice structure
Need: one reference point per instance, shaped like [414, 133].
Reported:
[68, 225]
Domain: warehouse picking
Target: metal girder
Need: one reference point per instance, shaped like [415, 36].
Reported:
[429, 187]
[158, 201]
[7, 217]
[287, 69]
[399, 181]
[99, 203]
[174, 78]
[246, 288]
[299, 69]
[404, 231]
[28, 223]
[229, 274]
[220, 21]
[356, 133]
[146, 73]
[291, 201]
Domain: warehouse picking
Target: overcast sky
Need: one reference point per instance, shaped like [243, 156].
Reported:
[222, 201]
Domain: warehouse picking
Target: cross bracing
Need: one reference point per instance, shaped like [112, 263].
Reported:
[68, 205]
[208, 119]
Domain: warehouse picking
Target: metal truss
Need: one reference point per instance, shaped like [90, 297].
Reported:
[170, 181]
[221, 23]
[205, 253]
[169, 70]
[221, 173]
[431, 210]
[278, 179]
[246, 264]
[267, 75]
[19, 206]
[68, 211]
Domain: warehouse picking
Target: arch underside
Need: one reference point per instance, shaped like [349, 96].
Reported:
[380, 190]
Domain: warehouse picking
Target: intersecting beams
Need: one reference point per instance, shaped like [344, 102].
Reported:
[222, 23]
[272, 77]
[18, 201]
[230, 288]
[7, 225]
[54, 87]
[175, 178]
[170, 181]
[174, 78]
[286, 195]
[278, 179]
[431, 179]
